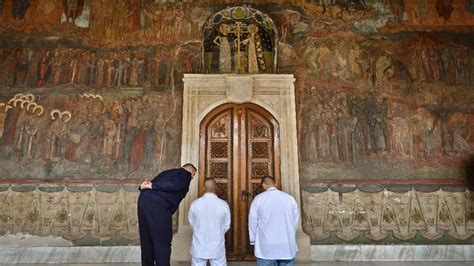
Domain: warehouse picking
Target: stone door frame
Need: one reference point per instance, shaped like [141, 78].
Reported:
[273, 92]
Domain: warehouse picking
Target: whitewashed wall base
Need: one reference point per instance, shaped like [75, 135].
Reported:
[131, 254]
[63, 255]
[392, 252]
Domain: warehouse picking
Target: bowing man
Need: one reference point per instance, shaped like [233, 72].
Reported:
[157, 202]
[209, 218]
[273, 220]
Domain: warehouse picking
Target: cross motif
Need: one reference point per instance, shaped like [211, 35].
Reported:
[238, 31]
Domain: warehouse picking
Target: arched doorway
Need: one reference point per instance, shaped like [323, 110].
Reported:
[239, 144]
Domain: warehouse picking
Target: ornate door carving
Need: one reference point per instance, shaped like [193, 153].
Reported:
[239, 144]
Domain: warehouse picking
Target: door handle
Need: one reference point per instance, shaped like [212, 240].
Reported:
[244, 195]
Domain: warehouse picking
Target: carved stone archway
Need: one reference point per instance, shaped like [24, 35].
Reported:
[203, 93]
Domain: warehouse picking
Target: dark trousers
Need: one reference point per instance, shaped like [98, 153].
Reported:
[156, 232]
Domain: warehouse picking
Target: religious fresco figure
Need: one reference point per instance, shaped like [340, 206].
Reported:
[132, 22]
[426, 131]
[141, 68]
[3, 65]
[137, 151]
[44, 69]
[118, 71]
[397, 7]
[433, 65]
[19, 8]
[464, 66]
[155, 69]
[126, 67]
[57, 134]
[92, 69]
[73, 9]
[239, 40]
[99, 76]
[310, 129]
[333, 144]
[66, 61]
[9, 128]
[150, 142]
[223, 58]
[449, 63]
[323, 137]
[57, 68]
[132, 108]
[30, 129]
[378, 126]
[84, 65]
[72, 77]
[324, 59]
[32, 74]
[78, 144]
[344, 136]
[354, 55]
[19, 132]
[11, 66]
[118, 115]
[109, 70]
[444, 9]
[457, 126]
[417, 69]
[21, 68]
[110, 134]
[382, 74]
[421, 10]
[255, 56]
[133, 78]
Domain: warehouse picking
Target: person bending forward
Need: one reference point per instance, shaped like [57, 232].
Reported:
[157, 202]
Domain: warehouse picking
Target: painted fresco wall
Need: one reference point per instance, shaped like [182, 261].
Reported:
[91, 103]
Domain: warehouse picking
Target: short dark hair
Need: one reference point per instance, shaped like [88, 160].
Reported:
[189, 165]
[268, 180]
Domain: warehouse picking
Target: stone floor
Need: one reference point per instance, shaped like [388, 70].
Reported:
[309, 263]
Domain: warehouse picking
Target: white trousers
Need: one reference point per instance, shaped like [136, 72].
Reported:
[221, 261]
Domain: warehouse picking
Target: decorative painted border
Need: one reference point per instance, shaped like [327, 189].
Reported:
[372, 217]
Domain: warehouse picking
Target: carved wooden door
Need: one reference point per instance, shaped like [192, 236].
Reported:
[239, 144]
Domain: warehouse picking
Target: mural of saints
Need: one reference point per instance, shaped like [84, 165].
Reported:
[223, 56]
[239, 40]
[19, 8]
[255, 57]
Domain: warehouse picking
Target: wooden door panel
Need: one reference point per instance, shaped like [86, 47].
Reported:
[260, 159]
[239, 145]
[216, 160]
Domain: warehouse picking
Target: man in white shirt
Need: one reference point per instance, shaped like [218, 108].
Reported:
[209, 218]
[273, 220]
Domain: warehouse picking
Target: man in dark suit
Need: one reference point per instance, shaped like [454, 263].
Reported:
[157, 202]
